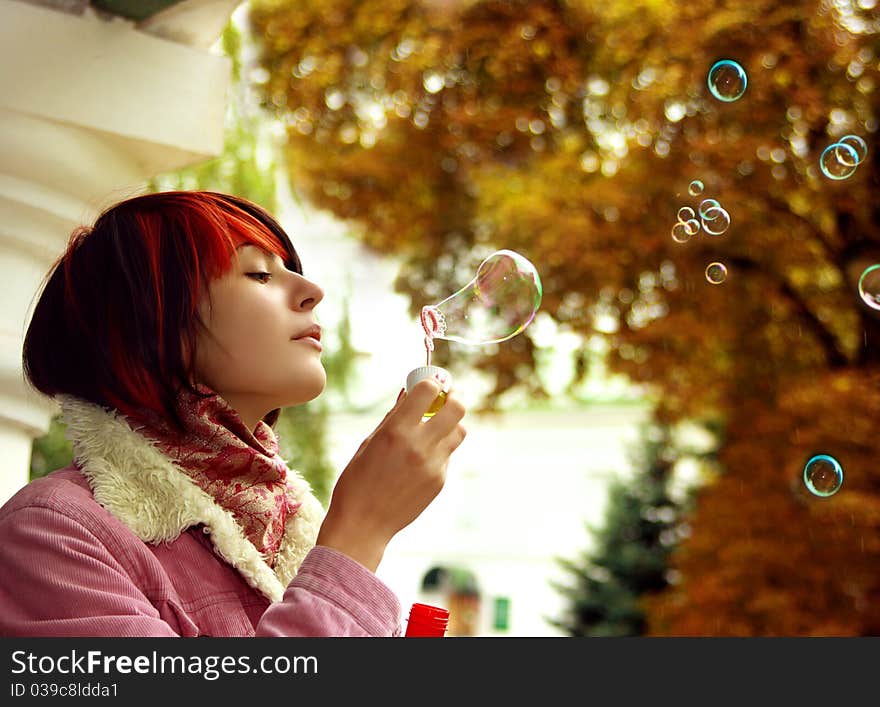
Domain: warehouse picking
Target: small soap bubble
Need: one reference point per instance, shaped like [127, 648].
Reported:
[692, 226]
[695, 188]
[716, 273]
[727, 80]
[681, 232]
[839, 161]
[823, 475]
[716, 221]
[685, 213]
[706, 205]
[857, 144]
[869, 286]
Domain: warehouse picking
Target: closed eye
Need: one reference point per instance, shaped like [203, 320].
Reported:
[260, 276]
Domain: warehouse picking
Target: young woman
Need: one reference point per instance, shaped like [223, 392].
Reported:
[171, 333]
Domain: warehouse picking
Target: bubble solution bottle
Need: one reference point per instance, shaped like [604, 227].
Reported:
[426, 621]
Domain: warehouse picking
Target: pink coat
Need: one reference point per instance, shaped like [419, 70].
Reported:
[140, 563]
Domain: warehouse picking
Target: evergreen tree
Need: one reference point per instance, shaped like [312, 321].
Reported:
[632, 547]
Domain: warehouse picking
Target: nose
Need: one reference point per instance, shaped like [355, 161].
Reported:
[306, 294]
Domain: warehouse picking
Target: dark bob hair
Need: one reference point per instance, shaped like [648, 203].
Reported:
[119, 308]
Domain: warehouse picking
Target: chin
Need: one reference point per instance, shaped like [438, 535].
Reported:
[307, 391]
[317, 391]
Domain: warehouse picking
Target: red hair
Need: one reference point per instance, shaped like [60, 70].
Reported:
[116, 322]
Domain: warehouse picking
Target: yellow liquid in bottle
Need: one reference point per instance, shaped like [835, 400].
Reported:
[435, 406]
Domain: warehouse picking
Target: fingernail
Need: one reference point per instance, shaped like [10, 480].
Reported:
[400, 394]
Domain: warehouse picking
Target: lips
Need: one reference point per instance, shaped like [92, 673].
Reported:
[313, 332]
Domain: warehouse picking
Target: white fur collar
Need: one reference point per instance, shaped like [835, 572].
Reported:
[146, 491]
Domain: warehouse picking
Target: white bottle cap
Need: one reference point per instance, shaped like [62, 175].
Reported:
[441, 375]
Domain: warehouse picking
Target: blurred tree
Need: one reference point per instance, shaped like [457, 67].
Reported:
[631, 549]
[51, 451]
[340, 363]
[570, 131]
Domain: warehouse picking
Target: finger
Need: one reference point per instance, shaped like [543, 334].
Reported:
[454, 439]
[445, 420]
[416, 403]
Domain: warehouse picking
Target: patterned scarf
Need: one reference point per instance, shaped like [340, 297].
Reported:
[240, 470]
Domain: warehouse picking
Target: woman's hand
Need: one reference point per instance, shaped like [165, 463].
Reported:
[397, 471]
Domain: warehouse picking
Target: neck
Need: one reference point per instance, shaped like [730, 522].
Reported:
[250, 412]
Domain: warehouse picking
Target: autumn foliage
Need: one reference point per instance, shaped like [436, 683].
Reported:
[569, 131]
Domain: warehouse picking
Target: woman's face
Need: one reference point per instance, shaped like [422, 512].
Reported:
[260, 348]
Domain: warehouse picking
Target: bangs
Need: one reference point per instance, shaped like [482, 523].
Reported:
[234, 229]
[259, 236]
[239, 228]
